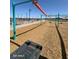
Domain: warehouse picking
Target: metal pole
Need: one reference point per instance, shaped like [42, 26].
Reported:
[14, 23]
[41, 17]
[14, 19]
[26, 15]
[58, 19]
[29, 14]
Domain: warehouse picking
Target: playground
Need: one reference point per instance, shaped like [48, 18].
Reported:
[50, 33]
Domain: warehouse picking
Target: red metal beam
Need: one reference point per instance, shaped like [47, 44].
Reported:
[39, 7]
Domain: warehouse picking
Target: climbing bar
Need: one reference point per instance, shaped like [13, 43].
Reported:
[23, 2]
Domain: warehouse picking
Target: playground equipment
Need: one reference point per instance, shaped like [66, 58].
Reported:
[29, 13]
[14, 19]
[58, 18]
[29, 50]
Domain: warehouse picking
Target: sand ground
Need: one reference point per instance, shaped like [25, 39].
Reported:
[63, 28]
[46, 35]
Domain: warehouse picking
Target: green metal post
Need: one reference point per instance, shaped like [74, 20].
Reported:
[58, 19]
[14, 19]
[29, 13]
[14, 23]
[26, 15]
[41, 17]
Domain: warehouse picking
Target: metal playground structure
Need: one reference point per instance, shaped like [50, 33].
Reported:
[14, 13]
[35, 2]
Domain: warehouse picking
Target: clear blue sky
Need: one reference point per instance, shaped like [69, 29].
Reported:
[52, 7]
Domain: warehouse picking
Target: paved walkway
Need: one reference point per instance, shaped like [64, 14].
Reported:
[23, 25]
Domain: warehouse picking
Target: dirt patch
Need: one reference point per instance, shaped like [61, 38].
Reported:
[47, 36]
